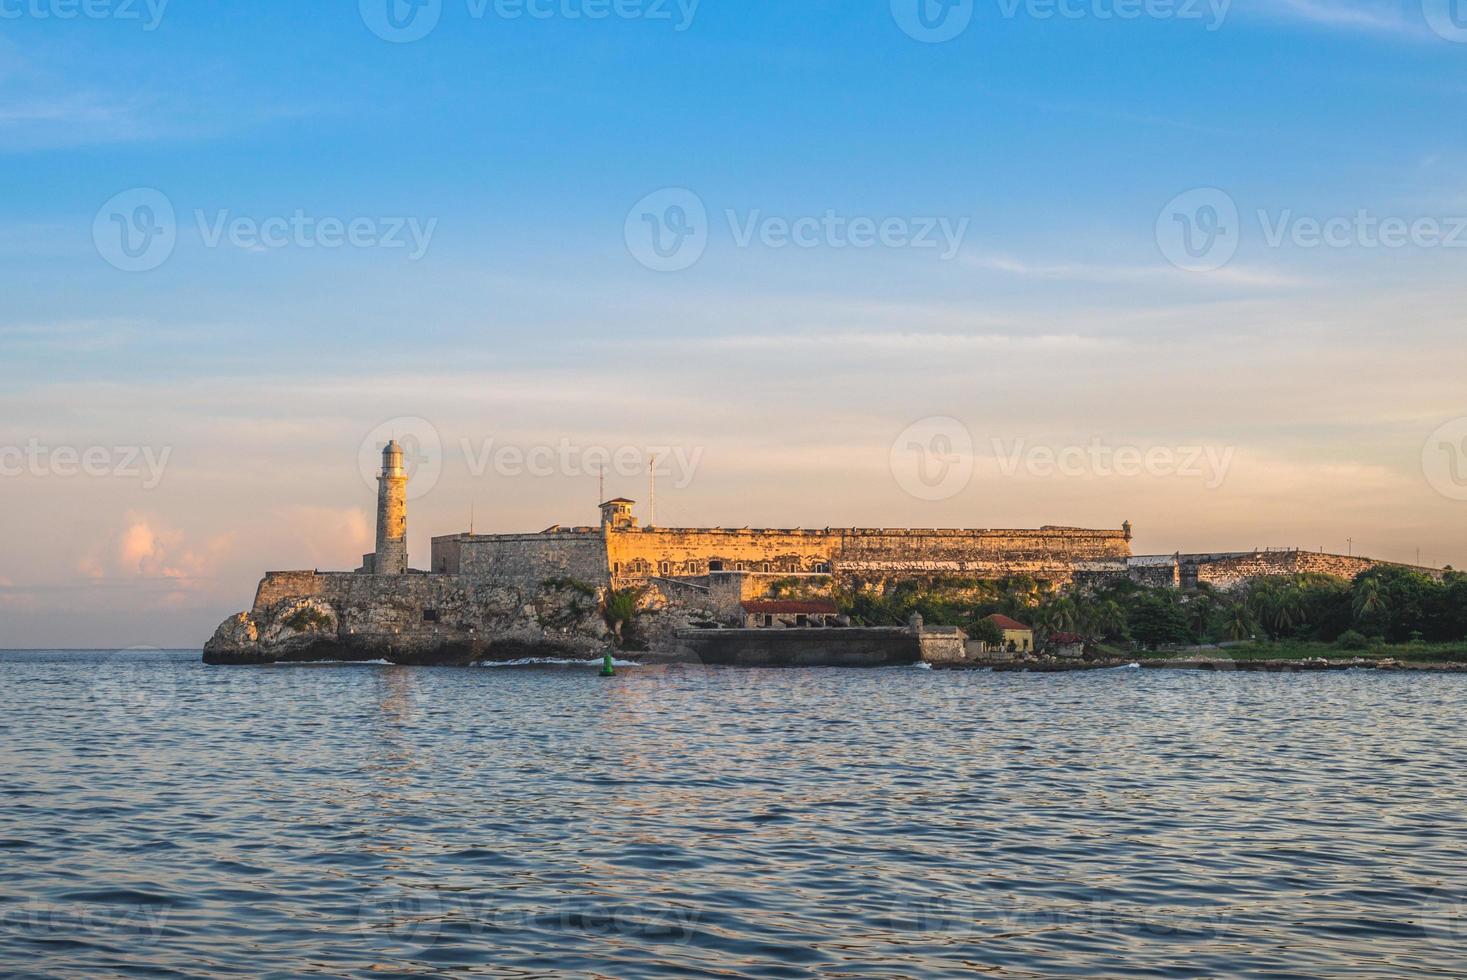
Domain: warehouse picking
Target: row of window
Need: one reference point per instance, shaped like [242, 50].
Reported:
[665, 569]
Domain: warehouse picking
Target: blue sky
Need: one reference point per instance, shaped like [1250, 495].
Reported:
[1326, 374]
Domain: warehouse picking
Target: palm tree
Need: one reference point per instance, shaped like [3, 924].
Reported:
[1110, 619]
[1288, 610]
[1240, 625]
[1368, 598]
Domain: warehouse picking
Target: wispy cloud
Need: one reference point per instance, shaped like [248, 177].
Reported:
[904, 342]
[1384, 17]
[1233, 275]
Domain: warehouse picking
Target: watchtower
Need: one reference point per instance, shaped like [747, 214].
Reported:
[618, 513]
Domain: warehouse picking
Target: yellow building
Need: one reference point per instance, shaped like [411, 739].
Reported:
[1016, 636]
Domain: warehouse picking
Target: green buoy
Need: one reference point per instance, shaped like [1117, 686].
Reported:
[608, 667]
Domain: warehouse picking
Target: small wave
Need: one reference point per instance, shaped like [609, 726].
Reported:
[556, 662]
[1127, 667]
[922, 665]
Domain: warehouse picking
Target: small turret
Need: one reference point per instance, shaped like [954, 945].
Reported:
[618, 513]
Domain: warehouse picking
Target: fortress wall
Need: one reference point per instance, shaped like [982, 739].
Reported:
[1048, 553]
[525, 561]
[447, 555]
[1234, 571]
[639, 552]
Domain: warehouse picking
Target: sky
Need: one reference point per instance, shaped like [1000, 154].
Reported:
[873, 263]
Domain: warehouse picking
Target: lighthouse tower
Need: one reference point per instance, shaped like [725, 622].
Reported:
[392, 556]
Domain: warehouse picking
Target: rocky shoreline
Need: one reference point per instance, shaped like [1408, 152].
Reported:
[1046, 665]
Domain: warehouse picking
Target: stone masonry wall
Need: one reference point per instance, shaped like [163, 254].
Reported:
[598, 556]
[1233, 571]
[528, 560]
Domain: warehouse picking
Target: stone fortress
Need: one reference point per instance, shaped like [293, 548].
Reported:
[501, 596]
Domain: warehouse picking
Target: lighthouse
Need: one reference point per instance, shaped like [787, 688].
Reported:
[392, 556]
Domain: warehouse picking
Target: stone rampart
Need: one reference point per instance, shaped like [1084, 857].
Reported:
[1228, 572]
[525, 560]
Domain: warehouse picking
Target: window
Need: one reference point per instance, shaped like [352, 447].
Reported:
[715, 566]
[664, 569]
[430, 615]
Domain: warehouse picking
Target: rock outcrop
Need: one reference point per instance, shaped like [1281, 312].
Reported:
[411, 619]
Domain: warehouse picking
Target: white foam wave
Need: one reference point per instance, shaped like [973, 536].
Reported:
[555, 662]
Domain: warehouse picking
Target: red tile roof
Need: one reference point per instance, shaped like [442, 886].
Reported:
[792, 607]
[1005, 623]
